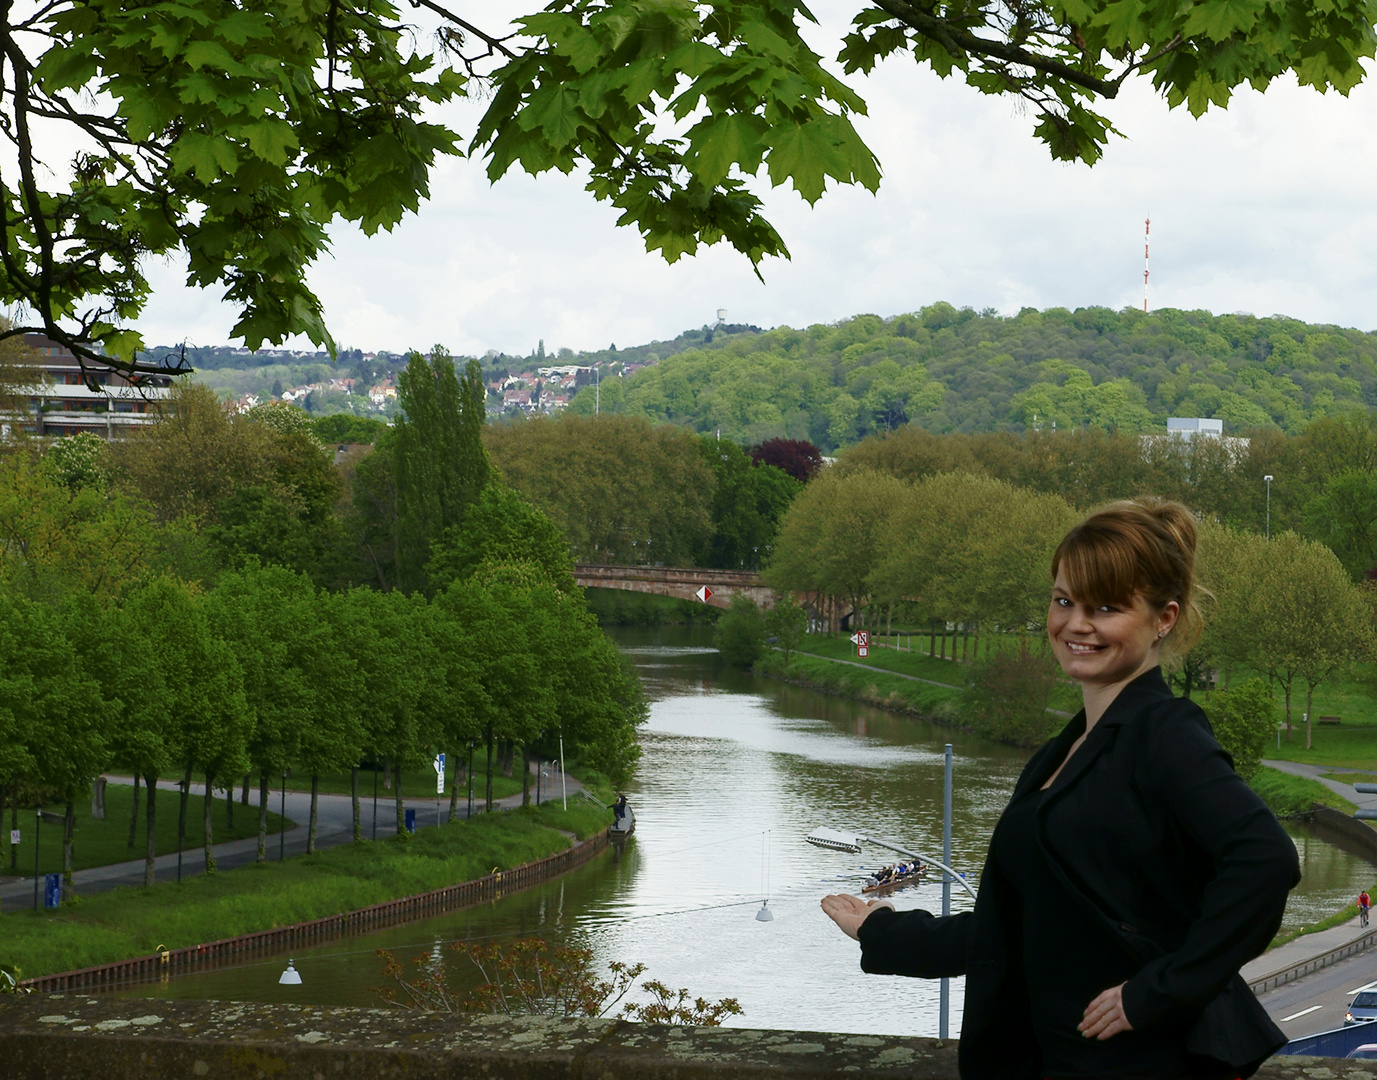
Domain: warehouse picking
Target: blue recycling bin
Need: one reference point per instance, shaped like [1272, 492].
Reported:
[52, 890]
[410, 820]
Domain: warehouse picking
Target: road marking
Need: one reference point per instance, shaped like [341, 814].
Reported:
[1297, 1016]
[1360, 989]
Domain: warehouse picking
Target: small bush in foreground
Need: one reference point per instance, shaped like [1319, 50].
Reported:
[528, 977]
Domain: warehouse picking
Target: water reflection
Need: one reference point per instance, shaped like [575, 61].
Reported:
[736, 770]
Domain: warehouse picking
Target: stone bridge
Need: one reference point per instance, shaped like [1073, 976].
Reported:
[682, 583]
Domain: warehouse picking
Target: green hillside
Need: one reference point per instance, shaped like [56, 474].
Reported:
[950, 370]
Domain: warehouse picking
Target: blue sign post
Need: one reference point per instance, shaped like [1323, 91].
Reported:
[52, 890]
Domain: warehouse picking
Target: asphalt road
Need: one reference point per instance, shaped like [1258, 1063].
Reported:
[1318, 1002]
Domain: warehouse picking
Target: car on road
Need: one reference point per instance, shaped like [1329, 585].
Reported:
[1366, 1052]
[1362, 1009]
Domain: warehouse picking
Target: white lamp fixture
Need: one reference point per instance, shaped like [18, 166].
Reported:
[764, 914]
[290, 977]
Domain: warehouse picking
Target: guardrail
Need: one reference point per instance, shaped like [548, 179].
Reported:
[283, 939]
[1361, 836]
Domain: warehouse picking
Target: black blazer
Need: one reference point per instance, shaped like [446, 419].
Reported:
[1175, 856]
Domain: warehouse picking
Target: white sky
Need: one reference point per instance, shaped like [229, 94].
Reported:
[1266, 208]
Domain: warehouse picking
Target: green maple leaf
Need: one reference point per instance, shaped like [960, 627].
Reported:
[1219, 20]
[556, 111]
[272, 140]
[718, 143]
[205, 156]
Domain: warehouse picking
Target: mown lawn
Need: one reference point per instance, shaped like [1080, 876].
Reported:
[134, 921]
[99, 843]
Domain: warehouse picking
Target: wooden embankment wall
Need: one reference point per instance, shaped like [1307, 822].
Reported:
[283, 939]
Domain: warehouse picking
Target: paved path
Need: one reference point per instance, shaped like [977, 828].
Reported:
[1313, 772]
[1299, 950]
[334, 826]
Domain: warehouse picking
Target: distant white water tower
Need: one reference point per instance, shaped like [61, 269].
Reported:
[721, 315]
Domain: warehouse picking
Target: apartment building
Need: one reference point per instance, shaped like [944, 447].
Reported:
[64, 404]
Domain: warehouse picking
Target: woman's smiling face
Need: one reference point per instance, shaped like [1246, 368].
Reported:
[1107, 644]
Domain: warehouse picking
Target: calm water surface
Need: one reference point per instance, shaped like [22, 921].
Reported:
[736, 770]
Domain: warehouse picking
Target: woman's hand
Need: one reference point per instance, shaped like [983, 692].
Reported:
[849, 912]
[1104, 1017]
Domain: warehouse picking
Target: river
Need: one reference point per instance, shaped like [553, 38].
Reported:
[736, 771]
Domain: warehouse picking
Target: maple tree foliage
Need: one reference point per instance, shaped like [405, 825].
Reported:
[233, 132]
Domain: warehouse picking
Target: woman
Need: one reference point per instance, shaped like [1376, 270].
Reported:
[1132, 873]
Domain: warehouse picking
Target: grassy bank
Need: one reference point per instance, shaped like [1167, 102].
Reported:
[134, 921]
[1286, 794]
[619, 607]
[873, 686]
[921, 665]
[100, 843]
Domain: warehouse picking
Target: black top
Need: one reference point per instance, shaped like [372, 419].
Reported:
[1174, 860]
[1067, 960]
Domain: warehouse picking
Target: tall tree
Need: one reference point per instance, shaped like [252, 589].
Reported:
[267, 616]
[441, 465]
[621, 489]
[61, 713]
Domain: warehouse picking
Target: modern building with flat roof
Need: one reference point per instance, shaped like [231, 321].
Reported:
[1188, 427]
[65, 403]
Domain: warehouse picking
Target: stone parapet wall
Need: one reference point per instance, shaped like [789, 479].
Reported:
[75, 1037]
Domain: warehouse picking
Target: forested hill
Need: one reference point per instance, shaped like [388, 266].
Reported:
[947, 369]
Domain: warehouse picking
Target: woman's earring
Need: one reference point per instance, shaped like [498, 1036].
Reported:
[1161, 634]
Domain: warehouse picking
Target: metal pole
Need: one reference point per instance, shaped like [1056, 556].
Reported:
[563, 783]
[470, 814]
[38, 821]
[375, 800]
[944, 991]
[181, 825]
[282, 825]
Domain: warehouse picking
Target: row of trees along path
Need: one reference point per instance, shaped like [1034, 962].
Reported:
[127, 660]
[975, 551]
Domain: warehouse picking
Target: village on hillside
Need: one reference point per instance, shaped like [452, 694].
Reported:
[538, 390]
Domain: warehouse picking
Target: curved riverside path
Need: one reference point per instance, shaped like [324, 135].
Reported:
[334, 826]
[1315, 772]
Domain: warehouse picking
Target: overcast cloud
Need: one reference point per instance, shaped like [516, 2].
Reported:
[1266, 208]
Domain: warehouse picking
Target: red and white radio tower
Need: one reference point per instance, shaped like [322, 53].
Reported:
[1147, 228]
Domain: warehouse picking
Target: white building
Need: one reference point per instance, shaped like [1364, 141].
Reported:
[1188, 427]
[65, 404]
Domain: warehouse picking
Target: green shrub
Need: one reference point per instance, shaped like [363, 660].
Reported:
[1007, 695]
[787, 622]
[740, 633]
[1244, 717]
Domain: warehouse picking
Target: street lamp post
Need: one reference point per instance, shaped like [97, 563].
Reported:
[1268, 479]
[944, 987]
[837, 840]
[282, 823]
[37, 829]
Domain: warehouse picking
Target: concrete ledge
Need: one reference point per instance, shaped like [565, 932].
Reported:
[75, 1037]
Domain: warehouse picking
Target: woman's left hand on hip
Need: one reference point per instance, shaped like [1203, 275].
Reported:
[1104, 1016]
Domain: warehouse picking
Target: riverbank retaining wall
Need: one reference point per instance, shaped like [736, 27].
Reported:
[76, 1037]
[283, 939]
